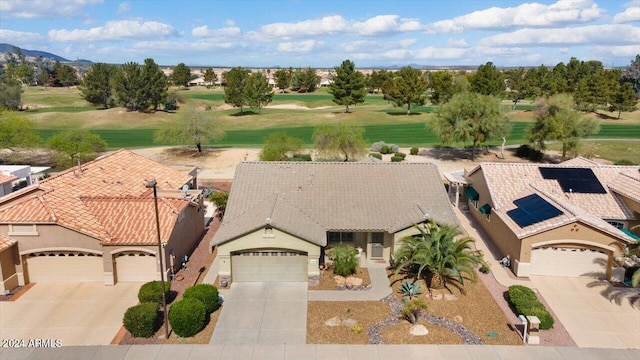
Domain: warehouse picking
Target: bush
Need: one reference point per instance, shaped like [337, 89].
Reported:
[525, 302]
[414, 151]
[151, 292]
[376, 146]
[344, 259]
[377, 156]
[300, 157]
[401, 154]
[220, 199]
[187, 317]
[624, 162]
[385, 150]
[142, 320]
[527, 152]
[206, 293]
[396, 158]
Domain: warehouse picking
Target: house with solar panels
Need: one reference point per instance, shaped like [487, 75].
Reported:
[568, 219]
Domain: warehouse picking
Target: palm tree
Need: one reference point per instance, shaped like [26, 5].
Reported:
[437, 252]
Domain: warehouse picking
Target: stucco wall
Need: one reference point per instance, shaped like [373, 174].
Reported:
[8, 275]
[188, 230]
[276, 240]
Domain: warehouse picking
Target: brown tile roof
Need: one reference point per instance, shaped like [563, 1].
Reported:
[70, 198]
[4, 178]
[310, 198]
[5, 243]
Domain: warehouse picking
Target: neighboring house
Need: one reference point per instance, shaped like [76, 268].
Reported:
[6, 183]
[569, 219]
[13, 177]
[281, 215]
[97, 223]
[198, 82]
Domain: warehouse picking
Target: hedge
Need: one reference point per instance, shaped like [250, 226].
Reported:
[206, 293]
[152, 292]
[142, 320]
[414, 151]
[187, 317]
[376, 155]
[524, 301]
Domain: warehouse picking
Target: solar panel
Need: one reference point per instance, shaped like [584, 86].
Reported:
[531, 210]
[577, 180]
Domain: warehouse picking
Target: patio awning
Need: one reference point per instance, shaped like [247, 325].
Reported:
[485, 209]
[632, 235]
[471, 193]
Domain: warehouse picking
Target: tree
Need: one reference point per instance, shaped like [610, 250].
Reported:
[128, 86]
[155, 84]
[210, 77]
[342, 139]
[595, 89]
[16, 131]
[515, 79]
[257, 91]
[376, 80]
[442, 88]
[44, 78]
[438, 255]
[65, 75]
[470, 117]
[279, 146]
[25, 74]
[10, 93]
[623, 98]
[348, 87]
[406, 88]
[283, 79]
[631, 74]
[305, 80]
[181, 75]
[488, 80]
[234, 92]
[191, 128]
[96, 86]
[78, 144]
[557, 120]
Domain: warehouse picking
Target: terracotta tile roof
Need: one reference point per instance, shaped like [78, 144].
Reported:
[6, 243]
[66, 198]
[315, 197]
[4, 178]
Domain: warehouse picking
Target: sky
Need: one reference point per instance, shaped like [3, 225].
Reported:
[323, 33]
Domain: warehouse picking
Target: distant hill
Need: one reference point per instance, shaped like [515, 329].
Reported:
[8, 48]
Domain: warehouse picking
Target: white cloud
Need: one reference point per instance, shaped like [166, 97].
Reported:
[628, 51]
[457, 43]
[299, 47]
[405, 43]
[630, 14]
[586, 35]
[204, 31]
[437, 53]
[325, 25]
[31, 9]
[527, 14]
[116, 30]
[124, 7]
[18, 37]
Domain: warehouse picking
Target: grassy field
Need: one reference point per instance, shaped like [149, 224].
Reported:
[57, 109]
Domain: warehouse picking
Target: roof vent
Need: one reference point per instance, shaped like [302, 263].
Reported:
[268, 220]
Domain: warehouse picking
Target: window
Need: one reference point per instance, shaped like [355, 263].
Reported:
[24, 230]
[339, 237]
[617, 224]
[377, 238]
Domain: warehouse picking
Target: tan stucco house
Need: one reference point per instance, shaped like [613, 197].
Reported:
[97, 223]
[280, 215]
[568, 219]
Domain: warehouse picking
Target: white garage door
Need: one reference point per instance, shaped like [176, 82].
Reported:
[64, 266]
[136, 267]
[557, 261]
[269, 265]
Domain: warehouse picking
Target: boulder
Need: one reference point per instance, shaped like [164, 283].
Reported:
[348, 323]
[339, 280]
[450, 297]
[458, 319]
[354, 281]
[436, 296]
[334, 321]
[418, 330]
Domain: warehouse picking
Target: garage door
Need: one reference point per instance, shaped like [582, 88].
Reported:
[64, 266]
[136, 267]
[558, 261]
[271, 265]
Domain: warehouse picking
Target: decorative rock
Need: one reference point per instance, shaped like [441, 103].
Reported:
[418, 330]
[334, 321]
[354, 281]
[458, 319]
[339, 280]
[348, 323]
[450, 297]
[436, 296]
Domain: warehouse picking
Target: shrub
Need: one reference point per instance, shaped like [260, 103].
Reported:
[414, 151]
[376, 146]
[377, 156]
[385, 149]
[412, 310]
[401, 154]
[206, 293]
[187, 317]
[344, 259]
[396, 158]
[524, 301]
[152, 292]
[357, 329]
[527, 152]
[624, 162]
[142, 320]
[220, 199]
[300, 157]
[410, 289]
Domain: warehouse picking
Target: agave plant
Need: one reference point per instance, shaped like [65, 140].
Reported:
[410, 289]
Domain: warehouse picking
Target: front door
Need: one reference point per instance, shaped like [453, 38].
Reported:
[377, 245]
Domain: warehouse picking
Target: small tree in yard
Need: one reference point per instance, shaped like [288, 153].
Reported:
[344, 259]
[220, 198]
[192, 127]
[343, 139]
[77, 144]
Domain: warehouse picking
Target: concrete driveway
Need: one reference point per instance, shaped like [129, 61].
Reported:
[594, 313]
[75, 313]
[263, 313]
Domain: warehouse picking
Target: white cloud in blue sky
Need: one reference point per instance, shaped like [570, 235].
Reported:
[322, 33]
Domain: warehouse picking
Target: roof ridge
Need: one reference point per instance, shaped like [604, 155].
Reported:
[45, 204]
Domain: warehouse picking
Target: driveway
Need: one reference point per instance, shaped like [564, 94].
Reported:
[75, 313]
[594, 313]
[263, 313]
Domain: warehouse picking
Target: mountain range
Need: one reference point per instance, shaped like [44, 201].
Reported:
[8, 48]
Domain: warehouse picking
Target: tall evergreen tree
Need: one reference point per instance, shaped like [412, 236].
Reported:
[406, 87]
[631, 74]
[128, 86]
[257, 91]
[283, 79]
[348, 87]
[96, 87]
[210, 77]
[623, 98]
[181, 75]
[488, 80]
[234, 93]
[442, 87]
[155, 84]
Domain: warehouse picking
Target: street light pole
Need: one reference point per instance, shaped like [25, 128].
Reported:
[153, 184]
